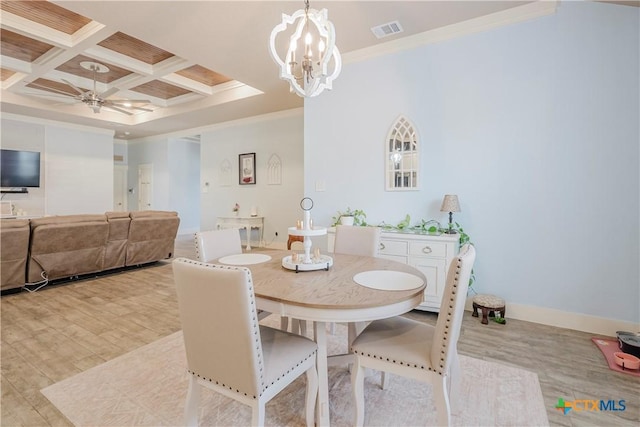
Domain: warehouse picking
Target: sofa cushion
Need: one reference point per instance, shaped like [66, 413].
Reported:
[69, 245]
[116, 250]
[152, 236]
[14, 249]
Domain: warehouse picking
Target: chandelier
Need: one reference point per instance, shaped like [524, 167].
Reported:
[310, 66]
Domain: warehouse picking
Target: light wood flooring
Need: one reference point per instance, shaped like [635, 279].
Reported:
[66, 329]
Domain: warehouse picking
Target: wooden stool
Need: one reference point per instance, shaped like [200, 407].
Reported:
[294, 239]
[489, 304]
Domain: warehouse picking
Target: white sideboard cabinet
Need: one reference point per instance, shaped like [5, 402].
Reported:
[431, 254]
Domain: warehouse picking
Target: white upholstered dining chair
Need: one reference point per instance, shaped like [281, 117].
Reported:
[227, 350]
[416, 350]
[214, 244]
[356, 240]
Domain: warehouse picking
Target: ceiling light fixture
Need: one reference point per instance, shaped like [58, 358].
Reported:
[304, 78]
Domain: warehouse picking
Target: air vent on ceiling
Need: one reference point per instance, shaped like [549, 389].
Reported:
[387, 29]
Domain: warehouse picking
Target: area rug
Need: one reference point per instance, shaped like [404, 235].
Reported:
[147, 387]
[608, 347]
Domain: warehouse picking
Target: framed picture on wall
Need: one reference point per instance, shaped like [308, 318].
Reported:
[247, 168]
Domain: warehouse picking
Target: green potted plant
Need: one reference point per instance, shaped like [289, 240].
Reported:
[464, 238]
[350, 217]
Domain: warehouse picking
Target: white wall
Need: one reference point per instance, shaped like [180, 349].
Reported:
[20, 135]
[79, 171]
[279, 134]
[76, 171]
[534, 126]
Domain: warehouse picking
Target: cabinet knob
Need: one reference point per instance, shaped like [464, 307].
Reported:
[426, 250]
[382, 246]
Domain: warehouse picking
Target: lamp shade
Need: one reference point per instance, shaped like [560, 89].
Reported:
[450, 203]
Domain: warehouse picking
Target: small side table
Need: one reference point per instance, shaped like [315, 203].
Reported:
[246, 222]
[488, 304]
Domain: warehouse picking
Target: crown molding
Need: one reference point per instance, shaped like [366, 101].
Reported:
[47, 122]
[293, 112]
[471, 26]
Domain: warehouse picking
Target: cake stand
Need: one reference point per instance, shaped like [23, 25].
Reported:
[306, 261]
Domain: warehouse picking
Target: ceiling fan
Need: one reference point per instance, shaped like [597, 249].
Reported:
[92, 98]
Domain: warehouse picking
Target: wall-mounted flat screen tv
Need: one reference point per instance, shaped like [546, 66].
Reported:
[19, 168]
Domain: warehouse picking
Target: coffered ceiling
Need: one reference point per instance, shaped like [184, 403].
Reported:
[188, 63]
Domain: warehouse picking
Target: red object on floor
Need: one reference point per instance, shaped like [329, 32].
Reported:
[608, 347]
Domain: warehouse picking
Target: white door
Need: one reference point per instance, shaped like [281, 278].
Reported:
[145, 187]
[120, 188]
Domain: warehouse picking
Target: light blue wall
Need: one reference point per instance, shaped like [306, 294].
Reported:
[176, 171]
[534, 126]
[184, 173]
[280, 135]
[155, 153]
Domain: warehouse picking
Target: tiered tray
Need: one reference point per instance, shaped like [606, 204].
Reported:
[306, 262]
[323, 263]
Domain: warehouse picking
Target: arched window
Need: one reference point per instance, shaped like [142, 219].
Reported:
[402, 160]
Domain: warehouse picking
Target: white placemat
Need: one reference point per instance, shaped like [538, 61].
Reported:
[387, 280]
[244, 259]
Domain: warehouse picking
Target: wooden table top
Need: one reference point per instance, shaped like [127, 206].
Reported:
[333, 289]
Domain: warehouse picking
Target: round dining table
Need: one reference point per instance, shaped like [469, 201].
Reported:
[355, 289]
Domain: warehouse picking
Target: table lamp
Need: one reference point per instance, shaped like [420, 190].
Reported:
[450, 204]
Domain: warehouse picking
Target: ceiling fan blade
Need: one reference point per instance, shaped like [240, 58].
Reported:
[141, 109]
[50, 89]
[76, 88]
[120, 110]
[51, 95]
[109, 102]
[128, 106]
[107, 93]
[131, 101]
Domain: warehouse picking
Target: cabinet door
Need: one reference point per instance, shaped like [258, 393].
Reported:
[434, 270]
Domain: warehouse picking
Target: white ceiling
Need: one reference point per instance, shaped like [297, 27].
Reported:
[231, 37]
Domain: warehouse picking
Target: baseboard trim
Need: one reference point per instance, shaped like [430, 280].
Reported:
[564, 319]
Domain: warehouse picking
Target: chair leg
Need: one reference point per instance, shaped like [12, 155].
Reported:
[441, 395]
[357, 382]
[257, 413]
[192, 403]
[455, 379]
[383, 380]
[312, 394]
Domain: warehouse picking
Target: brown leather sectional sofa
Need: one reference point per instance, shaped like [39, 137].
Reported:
[71, 245]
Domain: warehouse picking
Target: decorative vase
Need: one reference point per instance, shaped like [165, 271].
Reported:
[346, 220]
